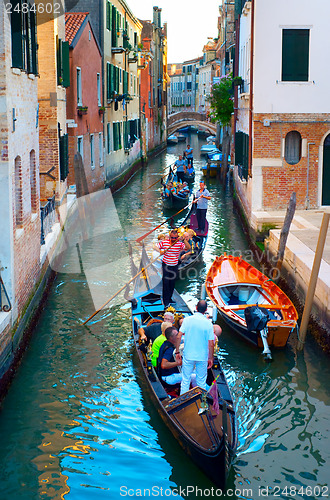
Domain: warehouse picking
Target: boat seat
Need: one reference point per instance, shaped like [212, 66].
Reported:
[243, 294]
[254, 297]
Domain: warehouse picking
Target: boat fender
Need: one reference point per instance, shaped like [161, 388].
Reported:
[214, 314]
[203, 292]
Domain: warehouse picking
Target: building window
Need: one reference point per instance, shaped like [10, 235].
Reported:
[100, 149]
[108, 139]
[23, 38]
[64, 156]
[98, 82]
[79, 89]
[92, 151]
[80, 146]
[295, 55]
[33, 182]
[292, 152]
[18, 192]
[62, 63]
[117, 136]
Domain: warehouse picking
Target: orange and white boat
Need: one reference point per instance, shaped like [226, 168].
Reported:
[233, 285]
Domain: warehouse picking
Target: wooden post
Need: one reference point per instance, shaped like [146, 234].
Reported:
[284, 235]
[313, 280]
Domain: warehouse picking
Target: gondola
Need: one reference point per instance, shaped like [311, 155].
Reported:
[236, 288]
[199, 241]
[208, 438]
[173, 200]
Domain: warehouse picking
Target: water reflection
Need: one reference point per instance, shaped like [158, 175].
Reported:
[77, 422]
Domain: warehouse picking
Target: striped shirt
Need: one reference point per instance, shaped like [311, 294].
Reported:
[171, 257]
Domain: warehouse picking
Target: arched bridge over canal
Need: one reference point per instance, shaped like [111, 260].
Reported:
[186, 118]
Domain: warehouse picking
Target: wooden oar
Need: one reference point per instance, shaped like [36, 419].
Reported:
[138, 240]
[159, 180]
[126, 284]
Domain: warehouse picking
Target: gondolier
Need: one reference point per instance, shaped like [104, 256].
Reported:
[181, 168]
[171, 249]
[202, 199]
[189, 155]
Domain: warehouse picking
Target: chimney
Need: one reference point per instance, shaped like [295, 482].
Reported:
[157, 17]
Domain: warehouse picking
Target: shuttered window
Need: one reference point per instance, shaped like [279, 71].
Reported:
[125, 82]
[109, 16]
[63, 63]
[114, 27]
[117, 136]
[64, 157]
[23, 38]
[242, 153]
[295, 55]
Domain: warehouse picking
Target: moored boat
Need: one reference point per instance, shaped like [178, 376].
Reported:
[234, 286]
[209, 148]
[181, 137]
[206, 432]
[172, 139]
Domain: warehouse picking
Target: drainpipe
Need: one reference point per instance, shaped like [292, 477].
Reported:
[237, 26]
[251, 90]
[307, 188]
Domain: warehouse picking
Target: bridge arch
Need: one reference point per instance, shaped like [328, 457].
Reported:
[186, 118]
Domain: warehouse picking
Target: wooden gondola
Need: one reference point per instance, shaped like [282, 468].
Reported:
[199, 241]
[209, 438]
[233, 285]
[173, 200]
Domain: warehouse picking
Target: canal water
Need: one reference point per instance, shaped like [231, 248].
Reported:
[76, 422]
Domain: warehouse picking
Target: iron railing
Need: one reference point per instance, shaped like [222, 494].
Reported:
[5, 304]
[47, 216]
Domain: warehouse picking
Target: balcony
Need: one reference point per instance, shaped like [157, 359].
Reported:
[47, 216]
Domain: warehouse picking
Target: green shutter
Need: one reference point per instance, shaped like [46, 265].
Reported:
[59, 60]
[65, 64]
[125, 82]
[28, 41]
[119, 135]
[34, 43]
[117, 80]
[108, 7]
[17, 45]
[108, 81]
[295, 55]
[112, 79]
[114, 27]
[239, 148]
[126, 143]
[64, 157]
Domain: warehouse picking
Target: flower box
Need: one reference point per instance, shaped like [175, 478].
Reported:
[82, 110]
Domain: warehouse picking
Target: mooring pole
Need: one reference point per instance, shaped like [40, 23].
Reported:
[313, 280]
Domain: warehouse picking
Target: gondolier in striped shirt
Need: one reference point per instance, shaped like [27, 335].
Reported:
[171, 250]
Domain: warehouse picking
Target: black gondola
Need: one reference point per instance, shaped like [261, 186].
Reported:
[173, 200]
[209, 438]
[199, 241]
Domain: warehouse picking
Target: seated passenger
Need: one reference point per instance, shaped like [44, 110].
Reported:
[168, 189]
[167, 365]
[153, 331]
[190, 170]
[156, 345]
[184, 191]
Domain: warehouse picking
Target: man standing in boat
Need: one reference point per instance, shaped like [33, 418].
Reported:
[171, 249]
[202, 199]
[198, 347]
[181, 168]
[189, 155]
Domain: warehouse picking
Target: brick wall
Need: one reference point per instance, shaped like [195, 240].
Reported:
[281, 179]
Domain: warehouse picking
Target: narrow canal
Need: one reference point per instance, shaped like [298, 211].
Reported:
[76, 423]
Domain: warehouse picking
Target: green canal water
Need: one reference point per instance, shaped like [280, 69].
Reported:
[76, 422]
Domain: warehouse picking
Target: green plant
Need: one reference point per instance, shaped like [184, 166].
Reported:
[221, 100]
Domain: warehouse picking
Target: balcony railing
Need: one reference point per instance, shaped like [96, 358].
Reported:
[47, 215]
[5, 304]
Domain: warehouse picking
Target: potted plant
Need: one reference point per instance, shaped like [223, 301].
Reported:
[82, 110]
[101, 110]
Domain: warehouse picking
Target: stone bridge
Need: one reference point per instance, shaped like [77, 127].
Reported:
[186, 118]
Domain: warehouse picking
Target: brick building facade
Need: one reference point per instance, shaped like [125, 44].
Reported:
[85, 101]
[282, 135]
[19, 172]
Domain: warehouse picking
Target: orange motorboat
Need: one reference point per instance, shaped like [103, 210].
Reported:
[233, 285]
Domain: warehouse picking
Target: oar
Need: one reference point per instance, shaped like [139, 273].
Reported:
[158, 180]
[126, 284]
[138, 240]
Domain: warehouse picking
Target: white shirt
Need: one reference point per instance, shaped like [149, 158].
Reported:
[198, 331]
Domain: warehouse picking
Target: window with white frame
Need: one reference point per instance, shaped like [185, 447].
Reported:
[100, 149]
[79, 89]
[92, 151]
